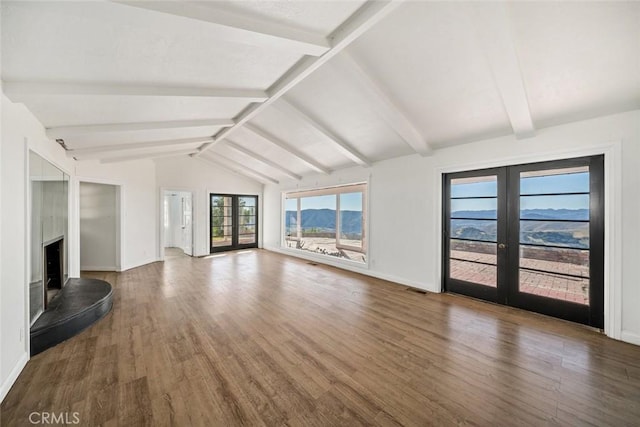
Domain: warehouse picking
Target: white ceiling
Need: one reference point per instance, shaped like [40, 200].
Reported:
[395, 79]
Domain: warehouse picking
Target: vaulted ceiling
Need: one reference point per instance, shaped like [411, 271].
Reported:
[282, 89]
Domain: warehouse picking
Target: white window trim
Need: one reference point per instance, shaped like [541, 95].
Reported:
[328, 190]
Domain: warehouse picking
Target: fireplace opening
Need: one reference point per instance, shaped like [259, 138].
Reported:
[53, 269]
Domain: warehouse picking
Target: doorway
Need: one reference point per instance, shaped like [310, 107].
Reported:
[234, 222]
[99, 213]
[529, 236]
[178, 221]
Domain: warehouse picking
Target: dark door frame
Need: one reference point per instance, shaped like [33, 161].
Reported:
[508, 234]
[235, 241]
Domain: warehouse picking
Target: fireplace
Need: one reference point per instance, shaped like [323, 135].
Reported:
[53, 258]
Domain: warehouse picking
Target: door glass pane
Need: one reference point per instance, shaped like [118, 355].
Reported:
[557, 207]
[248, 201]
[473, 229]
[245, 239]
[477, 186]
[247, 220]
[554, 234]
[474, 208]
[221, 221]
[551, 181]
[474, 262]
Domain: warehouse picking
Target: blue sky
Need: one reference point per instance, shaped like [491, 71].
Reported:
[348, 202]
[567, 183]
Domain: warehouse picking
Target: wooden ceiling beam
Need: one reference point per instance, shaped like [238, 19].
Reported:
[342, 146]
[67, 131]
[96, 152]
[382, 103]
[272, 139]
[261, 159]
[495, 35]
[21, 91]
[357, 24]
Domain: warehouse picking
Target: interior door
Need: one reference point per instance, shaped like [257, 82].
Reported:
[187, 224]
[529, 236]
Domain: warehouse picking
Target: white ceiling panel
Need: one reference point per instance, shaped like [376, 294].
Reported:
[108, 42]
[77, 110]
[105, 138]
[578, 57]
[318, 16]
[249, 162]
[270, 151]
[302, 137]
[338, 102]
[428, 56]
[435, 71]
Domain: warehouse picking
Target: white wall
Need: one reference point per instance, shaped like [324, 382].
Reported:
[19, 131]
[3, 383]
[98, 227]
[202, 178]
[404, 243]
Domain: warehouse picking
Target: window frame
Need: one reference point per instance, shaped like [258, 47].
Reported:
[336, 190]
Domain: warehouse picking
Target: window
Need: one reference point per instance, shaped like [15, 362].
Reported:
[327, 221]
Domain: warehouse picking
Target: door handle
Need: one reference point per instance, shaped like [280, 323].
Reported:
[501, 246]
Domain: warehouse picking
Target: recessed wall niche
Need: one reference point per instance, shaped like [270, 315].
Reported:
[49, 189]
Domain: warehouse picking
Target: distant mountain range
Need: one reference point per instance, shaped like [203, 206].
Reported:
[542, 214]
[325, 220]
[566, 234]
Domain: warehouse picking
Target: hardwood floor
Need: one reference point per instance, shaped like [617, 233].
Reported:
[258, 338]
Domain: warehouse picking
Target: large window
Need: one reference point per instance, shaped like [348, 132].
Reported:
[327, 221]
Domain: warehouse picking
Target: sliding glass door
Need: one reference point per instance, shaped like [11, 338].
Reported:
[529, 236]
[234, 222]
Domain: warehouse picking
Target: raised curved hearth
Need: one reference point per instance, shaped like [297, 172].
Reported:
[80, 303]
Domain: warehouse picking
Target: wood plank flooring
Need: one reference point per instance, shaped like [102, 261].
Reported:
[258, 338]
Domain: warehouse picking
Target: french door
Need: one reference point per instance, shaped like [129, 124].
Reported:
[529, 236]
[234, 222]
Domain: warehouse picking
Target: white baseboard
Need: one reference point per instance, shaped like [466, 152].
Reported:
[361, 270]
[630, 337]
[97, 268]
[13, 376]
